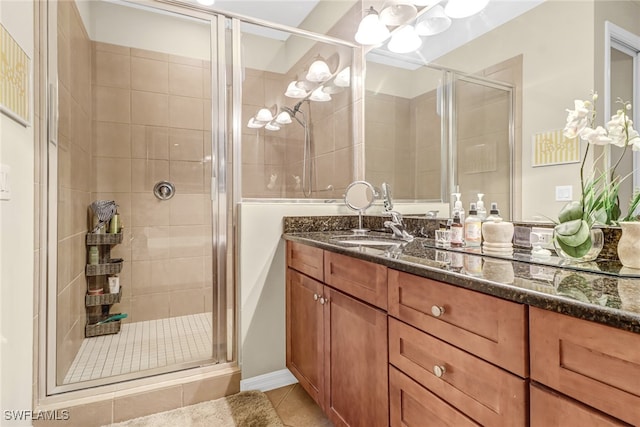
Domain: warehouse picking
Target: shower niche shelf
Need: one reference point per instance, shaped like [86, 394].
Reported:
[99, 305]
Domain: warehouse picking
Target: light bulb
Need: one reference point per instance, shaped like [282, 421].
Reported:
[404, 40]
[371, 30]
[458, 9]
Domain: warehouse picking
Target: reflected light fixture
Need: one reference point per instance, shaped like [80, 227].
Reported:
[264, 115]
[206, 2]
[398, 12]
[254, 124]
[320, 95]
[293, 91]
[433, 22]
[425, 3]
[404, 40]
[272, 126]
[343, 79]
[318, 71]
[283, 118]
[458, 9]
[371, 31]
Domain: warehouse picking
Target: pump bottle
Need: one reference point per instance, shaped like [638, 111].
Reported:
[482, 212]
[457, 233]
[473, 228]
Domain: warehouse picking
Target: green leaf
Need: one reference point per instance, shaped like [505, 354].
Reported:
[576, 251]
[578, 237]
[570, 211]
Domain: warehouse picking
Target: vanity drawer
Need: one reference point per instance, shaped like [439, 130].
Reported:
[552, 409]
[593, 363]
[486, 326]
[306, 259]
[489, 395]
[362, 279]
[411, 405]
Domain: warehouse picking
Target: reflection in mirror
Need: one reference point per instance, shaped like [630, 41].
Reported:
[300, 145]
[545, 79]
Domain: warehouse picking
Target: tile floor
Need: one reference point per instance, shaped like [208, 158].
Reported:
[143, 345]
[296, 408]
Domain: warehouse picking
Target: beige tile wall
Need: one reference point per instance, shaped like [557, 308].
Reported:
[74, 178]
[149, 126]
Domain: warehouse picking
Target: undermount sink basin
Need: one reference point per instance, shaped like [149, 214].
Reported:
[367, 241]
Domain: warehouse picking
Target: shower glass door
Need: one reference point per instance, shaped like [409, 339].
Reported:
[136, 95]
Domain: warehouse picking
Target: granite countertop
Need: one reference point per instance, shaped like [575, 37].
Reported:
[609, 299]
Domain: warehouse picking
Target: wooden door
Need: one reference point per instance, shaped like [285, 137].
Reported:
[305, 333]
[356, 362]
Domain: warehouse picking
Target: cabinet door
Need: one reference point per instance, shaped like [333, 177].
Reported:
[551, 409]
[305, 333]
[356, 370]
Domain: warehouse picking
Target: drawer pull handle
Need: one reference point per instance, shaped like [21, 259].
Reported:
[315, 297]
[437, 310]
[439, 371]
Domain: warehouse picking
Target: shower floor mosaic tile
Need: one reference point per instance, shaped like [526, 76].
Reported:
[143, 345]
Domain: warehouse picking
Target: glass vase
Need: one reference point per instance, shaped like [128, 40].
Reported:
[597, 243]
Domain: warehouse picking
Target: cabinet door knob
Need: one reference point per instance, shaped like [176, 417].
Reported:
[315, 297]
[323, 300]
[439, 370]
[437, 310]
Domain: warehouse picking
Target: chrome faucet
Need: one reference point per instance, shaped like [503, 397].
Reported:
[386, 197]
[397, 226]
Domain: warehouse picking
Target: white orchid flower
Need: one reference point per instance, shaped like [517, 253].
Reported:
[597, 136]
[577, 119]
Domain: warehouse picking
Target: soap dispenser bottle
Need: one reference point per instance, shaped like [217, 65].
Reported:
[457, 233]
[473, 228]
[494, 213]
[482, 212]
[457, 207]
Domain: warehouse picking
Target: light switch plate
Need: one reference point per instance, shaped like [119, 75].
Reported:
[564, 193]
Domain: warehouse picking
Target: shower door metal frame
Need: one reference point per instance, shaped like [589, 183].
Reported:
[223, 287]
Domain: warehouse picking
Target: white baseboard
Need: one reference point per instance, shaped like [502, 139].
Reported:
[268, 381]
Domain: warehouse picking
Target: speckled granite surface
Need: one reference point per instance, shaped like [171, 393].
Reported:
[601, 297]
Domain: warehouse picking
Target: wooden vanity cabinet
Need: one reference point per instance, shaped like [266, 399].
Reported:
[594, 364]
[337, 344]
[459, 347]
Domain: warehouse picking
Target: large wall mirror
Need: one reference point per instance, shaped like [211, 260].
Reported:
[514, 70]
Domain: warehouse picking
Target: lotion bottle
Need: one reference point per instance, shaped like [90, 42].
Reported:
[473, 228]
[457, 234]
[494, 213]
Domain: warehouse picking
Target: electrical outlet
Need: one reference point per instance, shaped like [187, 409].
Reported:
[542, 235]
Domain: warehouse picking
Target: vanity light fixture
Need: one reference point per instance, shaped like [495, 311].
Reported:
[432, 22]
[398, 12]
[458, 9]
[371, 30]
[318, 71]
[283, 118]
[320, 95]
[293, 91]
[404, 40]
[272, 126]
[264, 115]
[254, 124]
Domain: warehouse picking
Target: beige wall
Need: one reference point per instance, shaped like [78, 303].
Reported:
[74, 180]
[149, 125]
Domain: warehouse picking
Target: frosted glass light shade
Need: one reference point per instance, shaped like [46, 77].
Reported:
[434, 21]
[404, 40]
[398, 12]
[318, 72]
[283, 118]
[343, 79]
[320, 95]
[293, 91]
[253, 124]
[425, 3]
[264, 115]
[371, 30]
[272, 126]
[458, 9]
